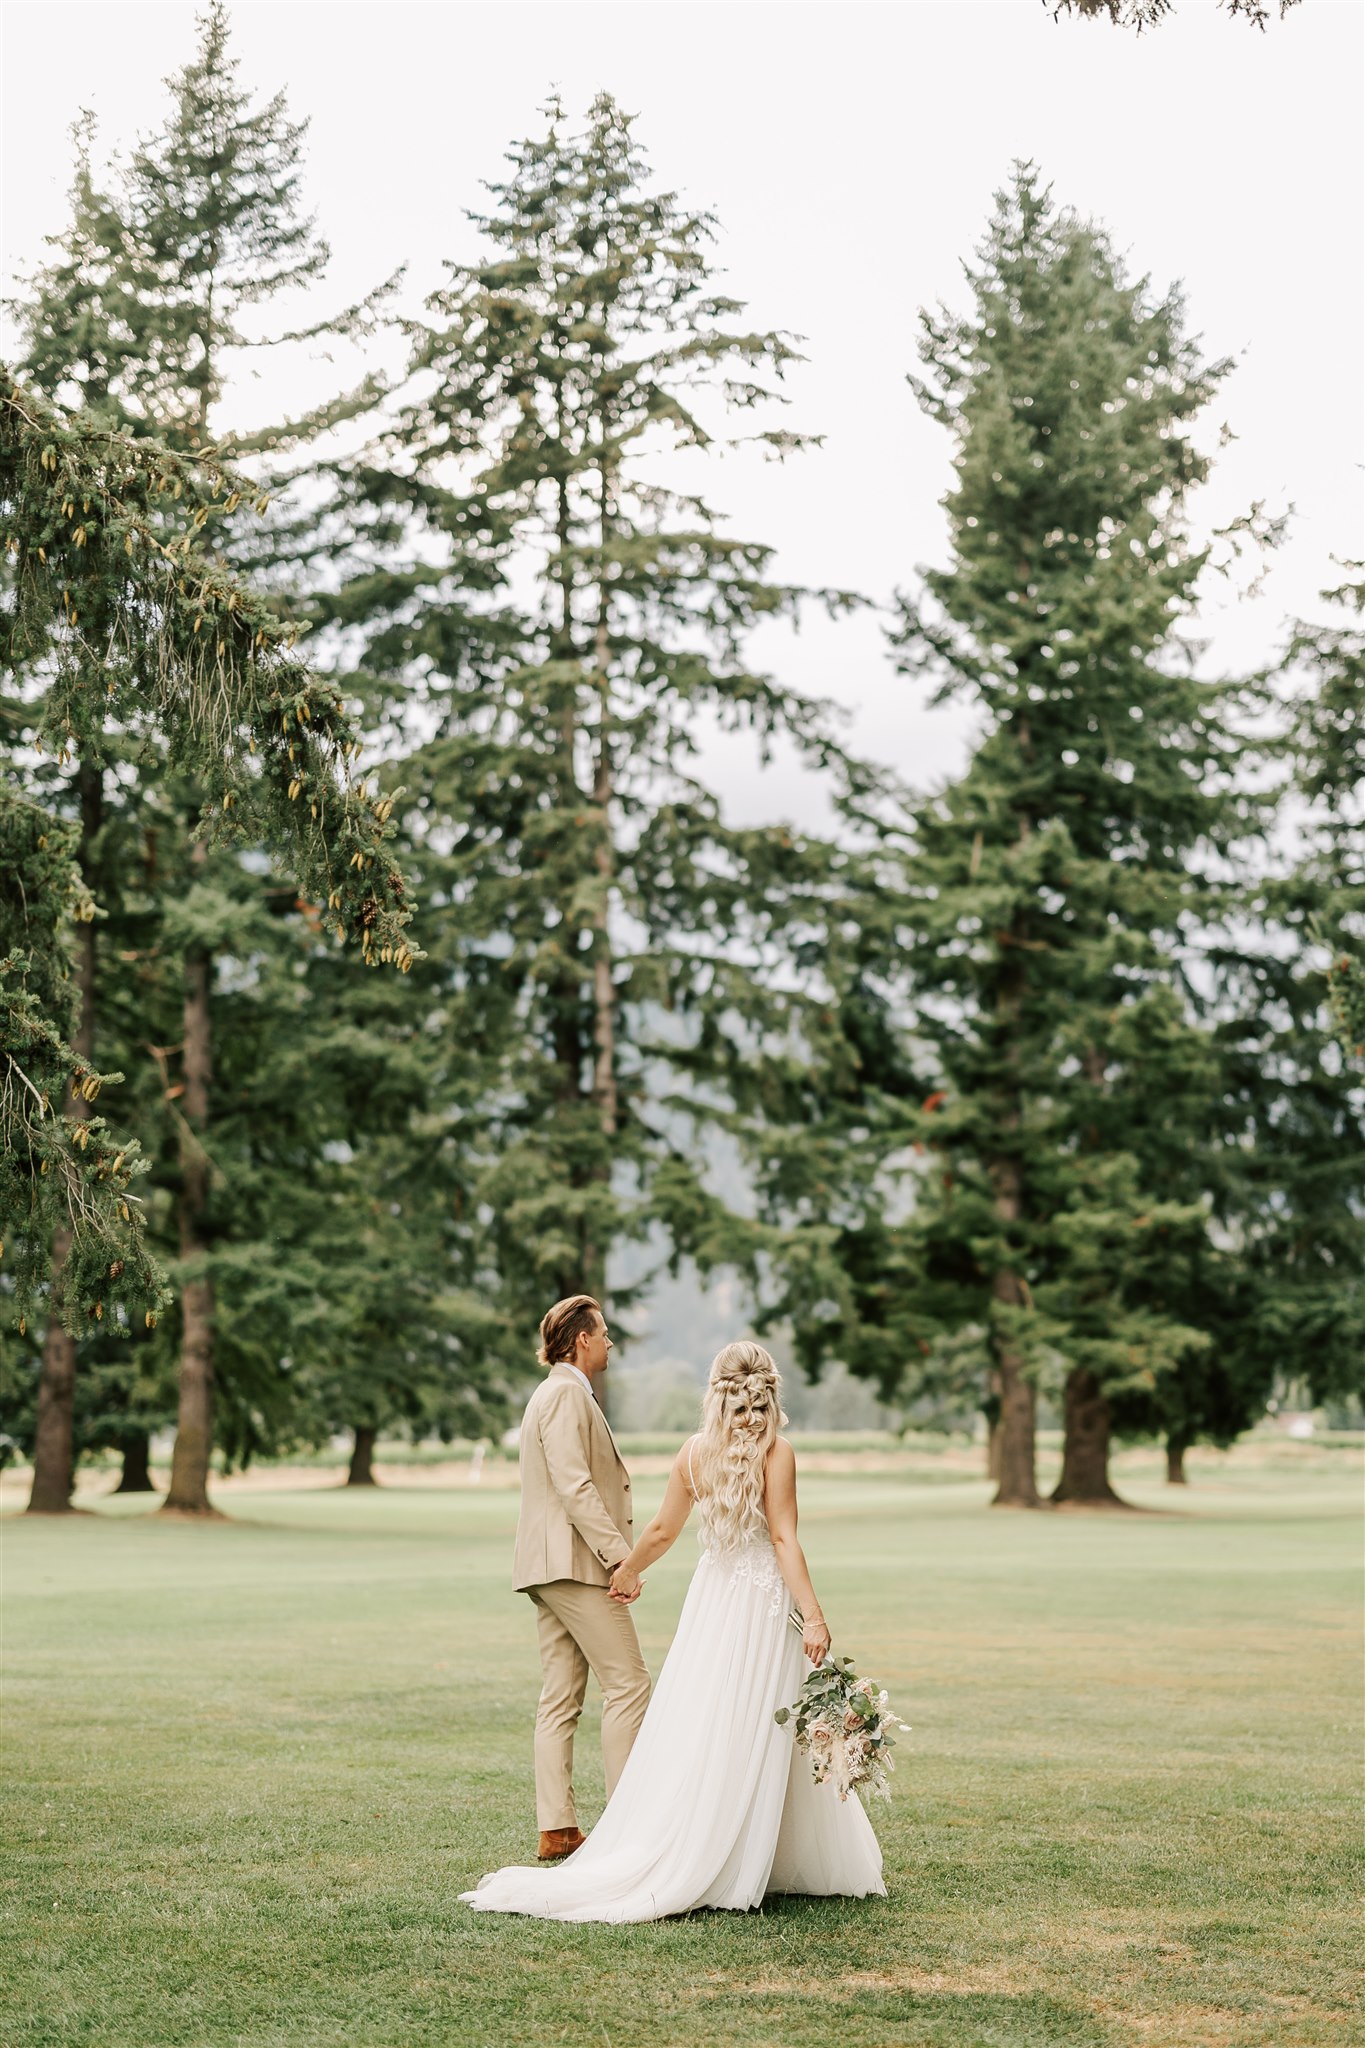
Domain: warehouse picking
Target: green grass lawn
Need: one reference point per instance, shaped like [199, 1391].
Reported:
[248, 1767]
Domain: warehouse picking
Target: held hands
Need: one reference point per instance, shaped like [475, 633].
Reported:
[626, 1585]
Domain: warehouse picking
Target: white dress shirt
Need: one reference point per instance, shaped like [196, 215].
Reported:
[578, 1374]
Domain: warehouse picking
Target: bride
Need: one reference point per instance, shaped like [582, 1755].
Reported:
[716, 1806]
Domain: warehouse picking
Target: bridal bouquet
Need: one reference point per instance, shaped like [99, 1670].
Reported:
[847, 1728]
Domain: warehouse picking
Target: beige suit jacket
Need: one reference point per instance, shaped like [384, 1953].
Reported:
[575, 1520]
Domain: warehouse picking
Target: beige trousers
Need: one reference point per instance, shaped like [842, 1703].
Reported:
[582, 1628]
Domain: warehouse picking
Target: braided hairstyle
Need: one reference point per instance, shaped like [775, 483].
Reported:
[740, 1417]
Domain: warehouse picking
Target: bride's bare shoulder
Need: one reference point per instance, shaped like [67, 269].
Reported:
[781, 1458]
[685, 1463]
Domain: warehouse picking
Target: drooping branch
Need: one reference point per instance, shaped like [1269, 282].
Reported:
[103, 539]
[62, 1171]
[97, 524]
[1141, 14]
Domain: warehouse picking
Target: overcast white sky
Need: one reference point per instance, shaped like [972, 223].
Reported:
[850, 152]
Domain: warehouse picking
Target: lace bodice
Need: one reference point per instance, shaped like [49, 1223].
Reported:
[751, 1564]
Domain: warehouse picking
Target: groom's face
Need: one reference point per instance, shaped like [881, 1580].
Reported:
[594, 1346]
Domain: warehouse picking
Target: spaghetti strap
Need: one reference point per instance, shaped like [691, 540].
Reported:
[691, 1475]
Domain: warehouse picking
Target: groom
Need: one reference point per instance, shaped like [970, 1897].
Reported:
[573, 1530]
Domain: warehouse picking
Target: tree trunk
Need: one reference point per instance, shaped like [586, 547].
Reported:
[54, 1460]
[137, 1465]
[53, 1453]
[1085, 1447]
[1085, 1440]
[603, 980]
[604, 983]
[361, 1471]
[994, 1433]
[604, 1092]
[1015, 1433]
[574, 1276]
[194, 1419]
[1018, 1485]
[1176, 1448]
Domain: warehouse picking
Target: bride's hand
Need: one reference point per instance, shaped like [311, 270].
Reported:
[625, 1584]
[816, 1638]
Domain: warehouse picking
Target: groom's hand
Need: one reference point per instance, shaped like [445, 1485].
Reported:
[626, 1585]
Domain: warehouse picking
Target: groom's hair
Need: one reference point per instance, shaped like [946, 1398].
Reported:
[564, 1324]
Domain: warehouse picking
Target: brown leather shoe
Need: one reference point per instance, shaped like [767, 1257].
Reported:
[556, 1843]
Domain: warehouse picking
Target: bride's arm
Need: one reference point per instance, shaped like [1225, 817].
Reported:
[660, 1535]
[779, 1504]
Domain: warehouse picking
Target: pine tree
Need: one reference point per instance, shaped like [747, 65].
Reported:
[1281, 1293]
[82, 323]
[193, 662]
[138, 312]
[1026, 930]
[1274, 1138]
[207, 225]
[80, 314]
[560, 624]
[278, 1160]
[1327, 740]
[214, 198]
[1304, 1102]
[1052, 890]
[351, 1293]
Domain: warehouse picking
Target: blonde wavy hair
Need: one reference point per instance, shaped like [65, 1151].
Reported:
[741, 1413]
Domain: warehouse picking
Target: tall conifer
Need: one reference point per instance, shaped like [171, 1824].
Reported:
[562, 625]
[1053, 889]
[215, 199]
[141, 311]
[1026, 1039]
[191, 661]
[1327, 746]
[82, 325]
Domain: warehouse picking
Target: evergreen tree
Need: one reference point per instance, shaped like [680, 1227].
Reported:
[560, 624]
[1282, 1292]
[1301, 1092]
[1053, 890]
[190, 660]
[206, 226]
[1024, 936]
[215, 202]
[350, 1288]
[1327, 740]
[83, 326]
[80, 313]
[1274, 1135]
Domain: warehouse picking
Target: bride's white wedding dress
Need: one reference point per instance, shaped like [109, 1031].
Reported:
[716, 1805]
